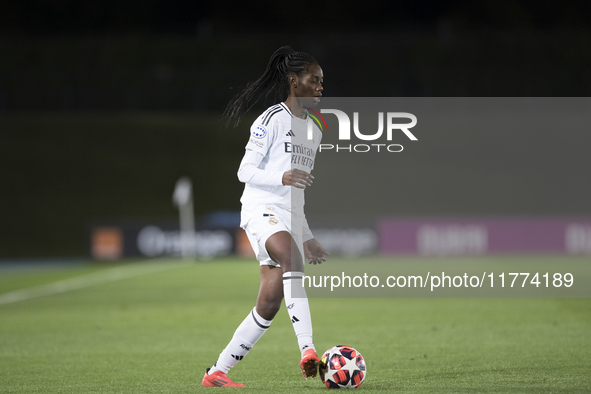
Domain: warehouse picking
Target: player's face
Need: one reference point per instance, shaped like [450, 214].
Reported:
[309, 86]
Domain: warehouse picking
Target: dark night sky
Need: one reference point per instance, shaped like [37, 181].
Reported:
[72, 17]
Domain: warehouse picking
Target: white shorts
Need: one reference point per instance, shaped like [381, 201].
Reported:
[264, 221]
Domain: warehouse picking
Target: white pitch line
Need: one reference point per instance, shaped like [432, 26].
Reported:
[110, 275]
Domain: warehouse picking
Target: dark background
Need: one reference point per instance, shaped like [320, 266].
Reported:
[105, 104]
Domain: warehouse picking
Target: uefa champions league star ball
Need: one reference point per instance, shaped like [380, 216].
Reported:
[342, 367]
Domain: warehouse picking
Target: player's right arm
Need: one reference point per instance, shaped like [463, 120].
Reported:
[259, 143]
[250, 172]
[297, 178]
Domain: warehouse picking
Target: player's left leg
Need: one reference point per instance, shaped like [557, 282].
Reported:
[282, 248]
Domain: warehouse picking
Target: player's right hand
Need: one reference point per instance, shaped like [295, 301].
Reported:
[297, 178]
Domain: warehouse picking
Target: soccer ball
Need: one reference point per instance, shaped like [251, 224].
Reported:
[342, 367]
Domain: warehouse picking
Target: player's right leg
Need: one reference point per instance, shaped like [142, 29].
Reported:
[218, 379]
[250, 330]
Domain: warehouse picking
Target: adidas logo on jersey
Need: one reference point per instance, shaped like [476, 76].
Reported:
[290, 134]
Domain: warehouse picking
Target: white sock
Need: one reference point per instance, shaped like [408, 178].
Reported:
[246, 335]
[298, 309]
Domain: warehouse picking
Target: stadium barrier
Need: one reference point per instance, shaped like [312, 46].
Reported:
[409, 236]
[479, 236]
[108, 242]
[158, 240]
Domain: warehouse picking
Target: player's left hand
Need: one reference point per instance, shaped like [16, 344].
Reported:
[315, 253]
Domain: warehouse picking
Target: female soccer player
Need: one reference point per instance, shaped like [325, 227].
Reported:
[276, 169]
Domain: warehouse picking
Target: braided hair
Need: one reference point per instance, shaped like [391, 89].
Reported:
[274, 80]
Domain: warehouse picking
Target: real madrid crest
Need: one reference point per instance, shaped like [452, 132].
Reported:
[273, 221]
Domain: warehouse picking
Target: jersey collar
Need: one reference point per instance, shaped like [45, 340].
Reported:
[286, 108]
[290, 114]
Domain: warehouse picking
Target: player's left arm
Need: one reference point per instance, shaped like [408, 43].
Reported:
[313, 251]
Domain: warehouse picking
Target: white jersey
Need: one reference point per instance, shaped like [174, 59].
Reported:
[282, 140]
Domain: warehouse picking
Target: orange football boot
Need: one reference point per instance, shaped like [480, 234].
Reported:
[309, 364]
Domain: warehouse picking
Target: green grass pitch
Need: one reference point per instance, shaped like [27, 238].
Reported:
[158, 331]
